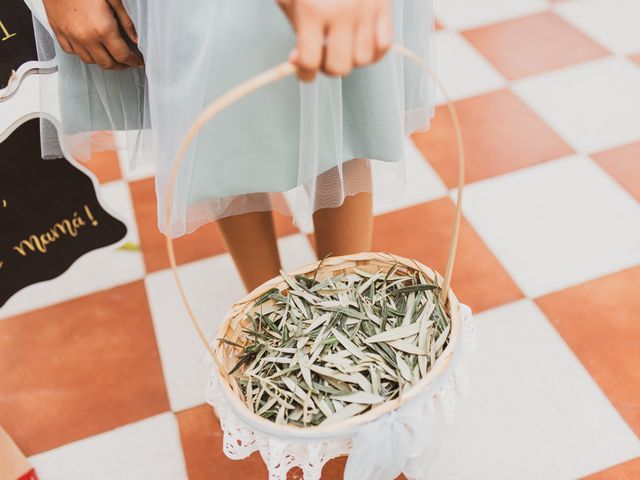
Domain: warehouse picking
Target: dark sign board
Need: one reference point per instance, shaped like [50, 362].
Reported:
[49, 213]
[17, 42]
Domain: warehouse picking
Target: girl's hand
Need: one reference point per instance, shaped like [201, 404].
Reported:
[336, 35]
[91, 29]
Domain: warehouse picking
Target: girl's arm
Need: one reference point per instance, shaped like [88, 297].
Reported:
[92, 29]
[336, 35]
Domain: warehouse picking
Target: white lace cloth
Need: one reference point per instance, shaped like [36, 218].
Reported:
[403, 441]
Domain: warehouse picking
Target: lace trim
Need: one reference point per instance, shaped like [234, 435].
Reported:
[281, 455]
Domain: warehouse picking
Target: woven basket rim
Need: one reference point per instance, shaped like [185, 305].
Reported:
[440, 366]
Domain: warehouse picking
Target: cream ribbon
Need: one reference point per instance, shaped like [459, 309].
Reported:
[405, 440]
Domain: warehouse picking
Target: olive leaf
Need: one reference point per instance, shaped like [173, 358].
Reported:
[326, 349]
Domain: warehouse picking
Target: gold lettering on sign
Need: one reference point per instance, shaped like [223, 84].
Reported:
[69, 227]
[5, 32]
[94, 222]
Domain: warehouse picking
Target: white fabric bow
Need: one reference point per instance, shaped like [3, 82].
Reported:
[403, 441]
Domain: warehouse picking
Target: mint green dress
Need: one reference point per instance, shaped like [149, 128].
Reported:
[288, 147]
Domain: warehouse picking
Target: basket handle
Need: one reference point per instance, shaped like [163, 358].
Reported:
[263, 79]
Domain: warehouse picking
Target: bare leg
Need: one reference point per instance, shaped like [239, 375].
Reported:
[250, 238]
[347, 228]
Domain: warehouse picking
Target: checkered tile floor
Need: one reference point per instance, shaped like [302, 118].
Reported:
[102, 377]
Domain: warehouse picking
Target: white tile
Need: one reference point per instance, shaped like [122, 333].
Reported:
[212, 285]
[463, 14]
[295, 252]
[422, 183]
[612, 23]
[534, 412]
[557, 224]
[94, 271]
[462, 70]
[148, 449]
[593, 106]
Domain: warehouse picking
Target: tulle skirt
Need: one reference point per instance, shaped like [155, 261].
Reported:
[291, 147]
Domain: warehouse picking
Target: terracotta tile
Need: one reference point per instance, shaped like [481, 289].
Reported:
[599, 322]
[79, 368]
[201, 438]
[533, 44]
[623, 164]
[334, 469]
[102, 158]
[625, 471]
[500, 134]
[206, 241]
[105, 166]
[423, 232]
[203, 243]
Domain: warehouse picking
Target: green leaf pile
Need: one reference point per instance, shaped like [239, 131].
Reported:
[323, 351]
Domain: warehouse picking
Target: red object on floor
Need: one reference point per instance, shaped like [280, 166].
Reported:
[30, 475]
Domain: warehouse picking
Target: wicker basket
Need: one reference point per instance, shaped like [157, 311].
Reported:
[236, 320]
[224, 355]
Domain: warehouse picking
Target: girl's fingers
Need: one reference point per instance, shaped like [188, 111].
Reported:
[309, 47]
[104, 59]
[83, 53]
[364, 43]
[120, 51]
[338, 58]
[356, 35]
[65, 44]
[124, 19]
[383, 32]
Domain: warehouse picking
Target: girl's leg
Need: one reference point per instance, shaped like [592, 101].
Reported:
[250, 238]
[347, 228]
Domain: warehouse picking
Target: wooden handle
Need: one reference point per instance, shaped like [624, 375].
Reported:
[272, 75]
